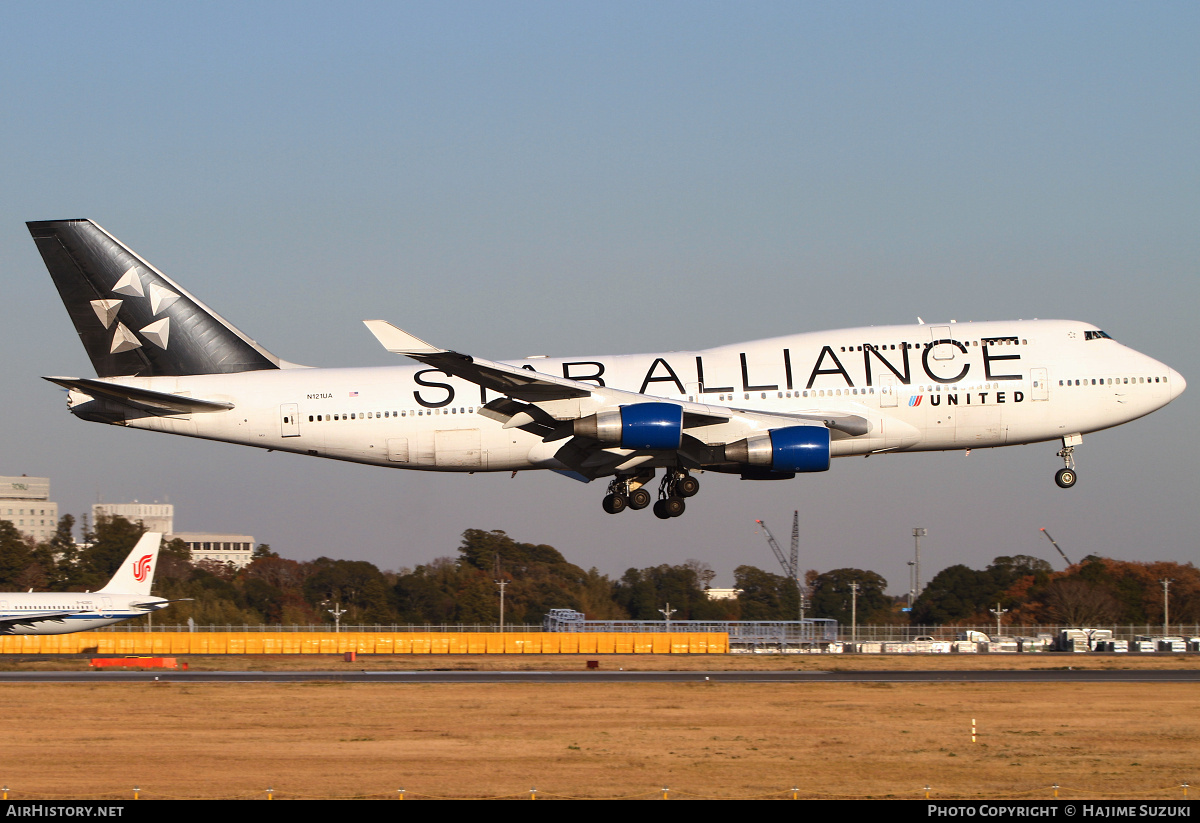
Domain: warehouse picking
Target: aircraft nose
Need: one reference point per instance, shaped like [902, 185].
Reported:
[1177, 383]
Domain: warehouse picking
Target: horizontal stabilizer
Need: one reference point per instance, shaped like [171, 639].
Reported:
[145, 399]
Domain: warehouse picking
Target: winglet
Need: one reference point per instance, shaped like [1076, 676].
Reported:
[397, 340]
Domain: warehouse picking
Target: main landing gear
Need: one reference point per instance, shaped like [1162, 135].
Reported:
[627, 493]
[630, 493]
[675, 486]
[1066, 476]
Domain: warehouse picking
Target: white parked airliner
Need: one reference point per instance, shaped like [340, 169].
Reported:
[762, 410]
[126, 596]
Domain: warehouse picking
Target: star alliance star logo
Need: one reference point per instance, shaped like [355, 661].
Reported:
[130, 285]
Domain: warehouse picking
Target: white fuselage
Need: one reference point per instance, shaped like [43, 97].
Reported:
[923, 387]
[76, 611]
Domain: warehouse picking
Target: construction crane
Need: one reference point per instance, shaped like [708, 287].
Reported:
[791, 564]
[1060, 551]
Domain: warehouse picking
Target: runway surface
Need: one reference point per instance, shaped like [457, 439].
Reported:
[1057, 675]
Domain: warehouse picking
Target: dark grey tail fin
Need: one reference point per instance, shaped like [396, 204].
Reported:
[133, 319]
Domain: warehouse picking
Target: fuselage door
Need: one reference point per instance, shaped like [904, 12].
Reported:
[888, 389]
[106, 606]
[1039, 384]
[943, 349]
[289, 420]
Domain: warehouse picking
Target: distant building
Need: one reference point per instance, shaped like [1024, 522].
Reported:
[156, 517]
[237, 549]
[722, 594]
[25, 502]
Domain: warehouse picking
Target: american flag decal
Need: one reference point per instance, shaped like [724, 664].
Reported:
[141, 568]
[354, 394]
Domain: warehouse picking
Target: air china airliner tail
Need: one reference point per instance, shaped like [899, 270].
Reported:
[126, 595]
[762, 410]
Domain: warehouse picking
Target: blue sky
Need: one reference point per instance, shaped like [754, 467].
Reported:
[520, 178]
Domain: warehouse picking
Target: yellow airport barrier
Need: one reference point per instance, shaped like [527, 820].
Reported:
[170, 644]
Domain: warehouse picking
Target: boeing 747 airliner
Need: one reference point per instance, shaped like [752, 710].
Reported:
[762, 410]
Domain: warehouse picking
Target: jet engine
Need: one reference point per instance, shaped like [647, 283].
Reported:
[791, 449]
[637, 426]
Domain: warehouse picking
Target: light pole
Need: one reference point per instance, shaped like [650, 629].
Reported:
[998, 612]
[918, 533]
[501, 584]
[912, 584]
[337, 611]
[854, 613]
[666, 613]
[1166, 584]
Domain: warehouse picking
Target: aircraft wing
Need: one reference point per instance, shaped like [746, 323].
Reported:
[554, 407]
[517, 383]
[144, 399]
[7, 624]
[533, 387]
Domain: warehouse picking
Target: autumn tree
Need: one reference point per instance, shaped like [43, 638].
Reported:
[832, 596]
[763, 595]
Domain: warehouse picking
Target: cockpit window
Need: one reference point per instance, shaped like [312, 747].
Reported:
[1096, 335]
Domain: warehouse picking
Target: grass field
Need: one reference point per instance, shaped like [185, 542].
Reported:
[606, 740]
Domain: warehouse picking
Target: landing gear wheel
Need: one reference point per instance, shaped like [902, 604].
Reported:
[639, 499]
[615, 503]
[669, 507]
[687, 486]
[1066, 477]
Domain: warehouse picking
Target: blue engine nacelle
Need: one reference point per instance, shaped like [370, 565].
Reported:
[791, 449]
[657, 426]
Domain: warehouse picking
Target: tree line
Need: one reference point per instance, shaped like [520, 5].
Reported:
[463, 589]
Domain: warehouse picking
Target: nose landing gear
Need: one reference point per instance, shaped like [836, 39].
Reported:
[1066, 477]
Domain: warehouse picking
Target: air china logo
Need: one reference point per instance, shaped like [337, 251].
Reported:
[141, 568]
